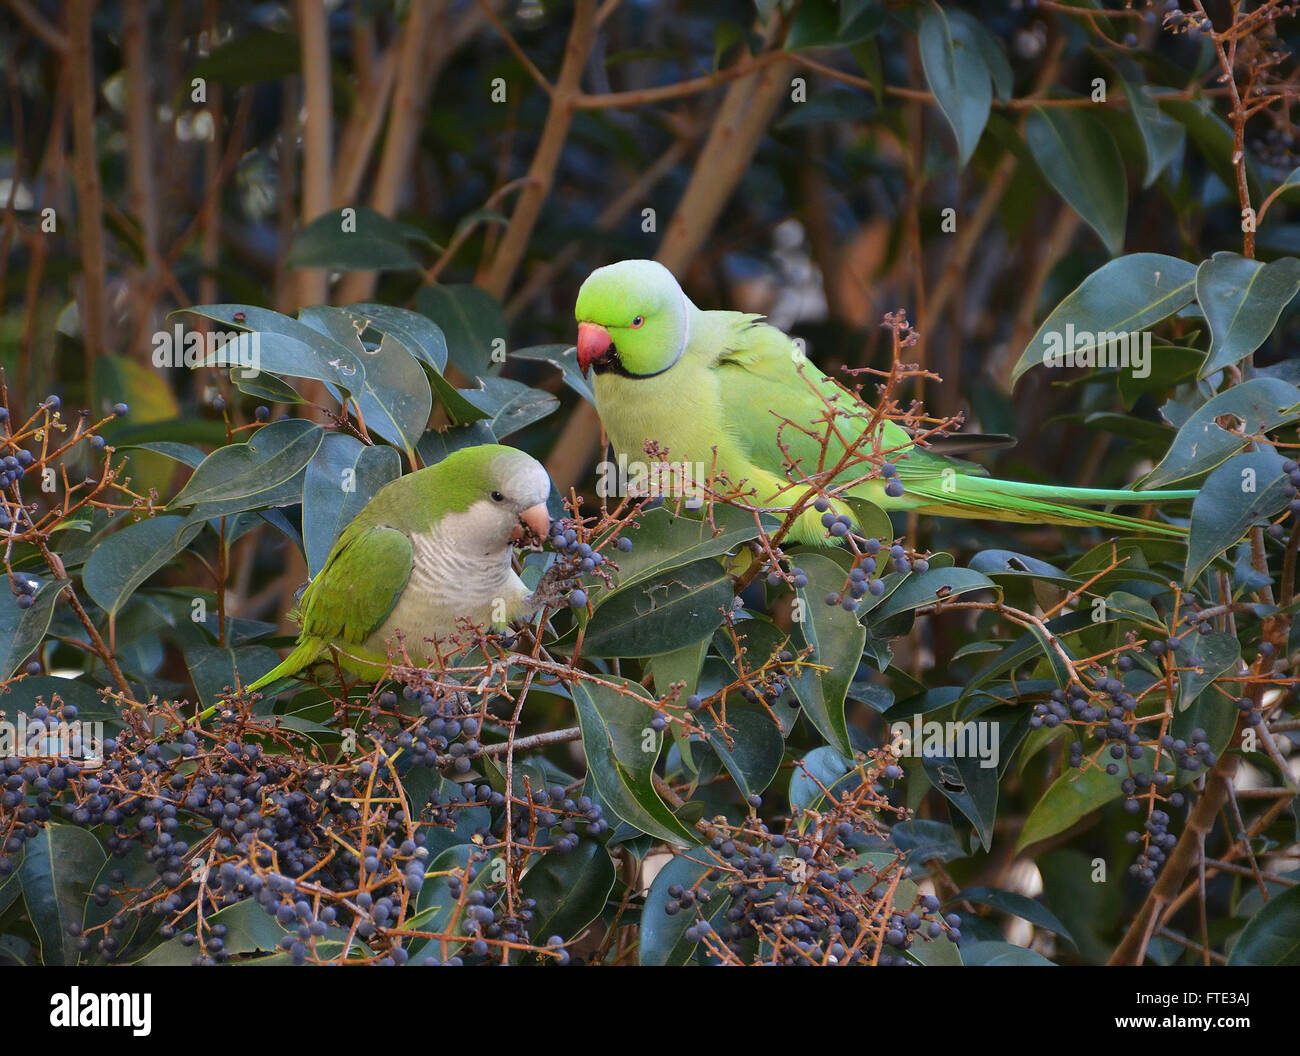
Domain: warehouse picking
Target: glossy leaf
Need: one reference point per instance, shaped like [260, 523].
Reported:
[341, 478]
[394, 397]
[283, 346]
[1273, 935]
[58, 869]
[570, 890]
[122, 561]
[622, 749]
[837, 640]
[1242, 300]
[1017, 905]
[1080, 159]
[243, 476]
[754, 755]
[508, 406]
[1244, 490]
[674, 610]
[563, 357]
[1251, 408]
[663, 936]
[1125, 296]
[22, 630]
[955, 70]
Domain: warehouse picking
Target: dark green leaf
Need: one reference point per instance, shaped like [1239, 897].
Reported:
[1080, 159]
[951, 57]
[121, 562]
[473, 323]
[1246, 489]
[665, 541]
[564, 357]
[214, 668]
[1242, 301]
[622, 749]
[1162, 137]
[822, 772]
[394, 397]
[925, 588]
[415, 332]
[663, 937]
[968, 784]
[754, 756]
[341, 478]
[354, 238]
[58, 868]
[1253, 407]
[1217, 654]
[1273, 935]
[674, 610]
[570, 890]
[283, 346]
[1017, 905]
[837, 640]
[242, 476]
[21, 630]
[1125, 296]
[508, 406]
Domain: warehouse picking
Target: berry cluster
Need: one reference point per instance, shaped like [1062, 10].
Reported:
[246, 810]
[1114, 731]
[811, 894]
[578, 557]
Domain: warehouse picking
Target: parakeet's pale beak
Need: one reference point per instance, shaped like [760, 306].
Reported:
[538, 520]
[594, 343]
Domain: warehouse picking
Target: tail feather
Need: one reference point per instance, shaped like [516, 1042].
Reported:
[303, 656]
[1009, 500]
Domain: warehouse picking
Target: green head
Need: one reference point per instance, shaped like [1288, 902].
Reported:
[633, 319]
[500, 490]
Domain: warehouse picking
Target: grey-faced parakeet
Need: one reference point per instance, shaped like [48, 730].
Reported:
[691, 380]
[431, 547]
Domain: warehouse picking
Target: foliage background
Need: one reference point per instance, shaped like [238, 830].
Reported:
[495, 153]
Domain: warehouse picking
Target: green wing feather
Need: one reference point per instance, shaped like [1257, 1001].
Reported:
[756, 369]
[352, 595]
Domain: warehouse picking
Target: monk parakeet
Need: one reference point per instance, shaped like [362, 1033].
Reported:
[429, 548]
[692, 381]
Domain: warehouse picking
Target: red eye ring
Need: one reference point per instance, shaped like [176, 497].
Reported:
[638, 322]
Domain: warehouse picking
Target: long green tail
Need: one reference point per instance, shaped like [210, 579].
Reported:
[1009, 500]
[303, 656]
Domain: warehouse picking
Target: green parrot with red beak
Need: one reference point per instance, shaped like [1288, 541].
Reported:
[713, 387]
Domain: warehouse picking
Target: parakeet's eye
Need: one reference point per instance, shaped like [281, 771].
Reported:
[498, 497]
[638, 322]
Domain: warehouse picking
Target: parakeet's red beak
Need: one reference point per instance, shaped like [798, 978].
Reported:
[594, 343]
[537, 519]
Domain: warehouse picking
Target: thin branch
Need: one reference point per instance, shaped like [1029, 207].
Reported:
[541, 173]
[317, 135]
[80, 71]
[513, 45]
[37, 23]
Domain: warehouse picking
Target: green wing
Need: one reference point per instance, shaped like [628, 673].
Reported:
[363, 577]
[757, 371]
